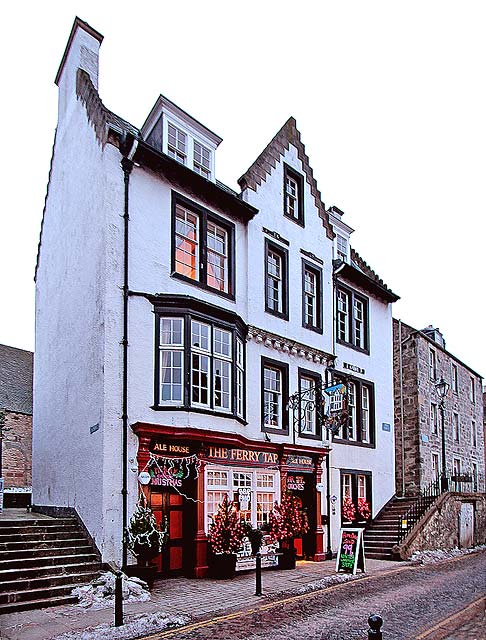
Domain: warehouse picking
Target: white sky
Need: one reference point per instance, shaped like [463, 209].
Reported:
[389, 97]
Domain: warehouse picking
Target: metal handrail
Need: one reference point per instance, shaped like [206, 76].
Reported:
[428, 495]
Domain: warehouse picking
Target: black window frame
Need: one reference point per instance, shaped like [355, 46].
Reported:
[354, 473]
[284, 370]
[204, 216]
[284, 256]
[237, 330]
[317, 271]
[352, 296]
[359, 382]
[299, 179]
[317, 379]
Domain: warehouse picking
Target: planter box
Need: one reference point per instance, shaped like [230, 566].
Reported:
[147, 574]
[287, 559]
[223, 566]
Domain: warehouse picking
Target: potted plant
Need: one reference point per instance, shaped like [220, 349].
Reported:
[225, 536]
[255, 537]
[364, 508]
[349, 510]
[145, 540]
[287, 521]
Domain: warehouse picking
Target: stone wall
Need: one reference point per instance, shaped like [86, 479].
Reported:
[17, 450]
[407, 454]
[420, 441]
[439, 528]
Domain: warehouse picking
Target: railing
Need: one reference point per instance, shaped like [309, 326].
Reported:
[461, 483]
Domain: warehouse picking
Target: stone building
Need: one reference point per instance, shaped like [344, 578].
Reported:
[170, 338]
[16, 367]
[420, 361]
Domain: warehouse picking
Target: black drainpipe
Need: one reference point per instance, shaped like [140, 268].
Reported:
[127, 166]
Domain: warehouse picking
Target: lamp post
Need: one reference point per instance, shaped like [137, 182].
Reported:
[442, 388]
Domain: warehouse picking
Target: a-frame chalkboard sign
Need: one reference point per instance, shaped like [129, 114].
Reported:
[350, 556]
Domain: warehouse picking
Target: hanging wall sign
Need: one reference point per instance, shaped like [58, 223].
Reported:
[350, 556]
[303, 462]
[244, 496]
[172, 448]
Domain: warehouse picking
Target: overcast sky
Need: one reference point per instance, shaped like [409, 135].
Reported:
[389, 97]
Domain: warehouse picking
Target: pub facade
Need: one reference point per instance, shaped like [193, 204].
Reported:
[197, 316]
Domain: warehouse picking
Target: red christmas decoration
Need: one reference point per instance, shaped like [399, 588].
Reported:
[226, 531]
[364, 508]
[349, 510]
[287, 520]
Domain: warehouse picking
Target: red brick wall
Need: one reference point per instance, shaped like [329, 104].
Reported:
[17, 450]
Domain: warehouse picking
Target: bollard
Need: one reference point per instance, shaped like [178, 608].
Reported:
[258, 574]
[118, 599]
[375, 622]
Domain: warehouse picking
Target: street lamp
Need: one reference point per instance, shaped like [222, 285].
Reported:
[442, 388]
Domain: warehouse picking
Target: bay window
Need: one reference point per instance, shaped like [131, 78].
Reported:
[200, 364]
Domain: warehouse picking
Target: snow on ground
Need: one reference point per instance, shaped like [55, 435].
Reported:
[100, 592]
[135, 626]
[425, 557]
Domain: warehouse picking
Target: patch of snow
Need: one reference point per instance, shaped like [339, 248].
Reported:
[135, 626]
[426, 557]
[100, 592]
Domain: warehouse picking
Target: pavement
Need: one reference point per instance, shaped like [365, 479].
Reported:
[198, 599]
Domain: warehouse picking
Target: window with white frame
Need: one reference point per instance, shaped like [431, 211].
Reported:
[342, 247]
[454, 378]
[347, 486]
[176, 143]
[472, 389]
[274, 282]
[240, 374]
[261, 488]
[171, 359]
[197, 366]
[217, 257]
[435, 466]
[361, 487]
[293, 195]
[434, 419]
[202, 160]
[352, 319]
[311, 296]
[432, 365]
[352, 411]
[187, 243]
[272, 397]
[202, 246]
[365, 414]
[308, 410]
[456, 427]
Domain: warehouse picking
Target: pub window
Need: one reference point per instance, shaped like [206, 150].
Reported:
[357, 486]
[276, 280]
[202, 247]
[347, 489]
[309, 384]
[361, 409]
[293, 195]
[361, 487]
[265, 503]
[198, 367]
[274, 396]
[352, 321]
[311, 297]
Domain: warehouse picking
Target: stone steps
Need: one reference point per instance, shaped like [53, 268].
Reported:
[41, 561]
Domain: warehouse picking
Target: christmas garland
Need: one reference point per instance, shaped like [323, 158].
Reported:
[143, 533]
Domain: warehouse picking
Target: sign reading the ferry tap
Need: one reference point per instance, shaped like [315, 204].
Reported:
[242, 455]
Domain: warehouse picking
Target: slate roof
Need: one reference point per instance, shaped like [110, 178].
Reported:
[16, 373]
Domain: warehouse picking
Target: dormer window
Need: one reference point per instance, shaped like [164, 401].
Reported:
[342, 247]
[176, 143]
[202, 160]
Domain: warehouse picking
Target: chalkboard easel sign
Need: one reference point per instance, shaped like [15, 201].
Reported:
[350, 556]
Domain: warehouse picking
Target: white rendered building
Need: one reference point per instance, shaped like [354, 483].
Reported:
[175, 317]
